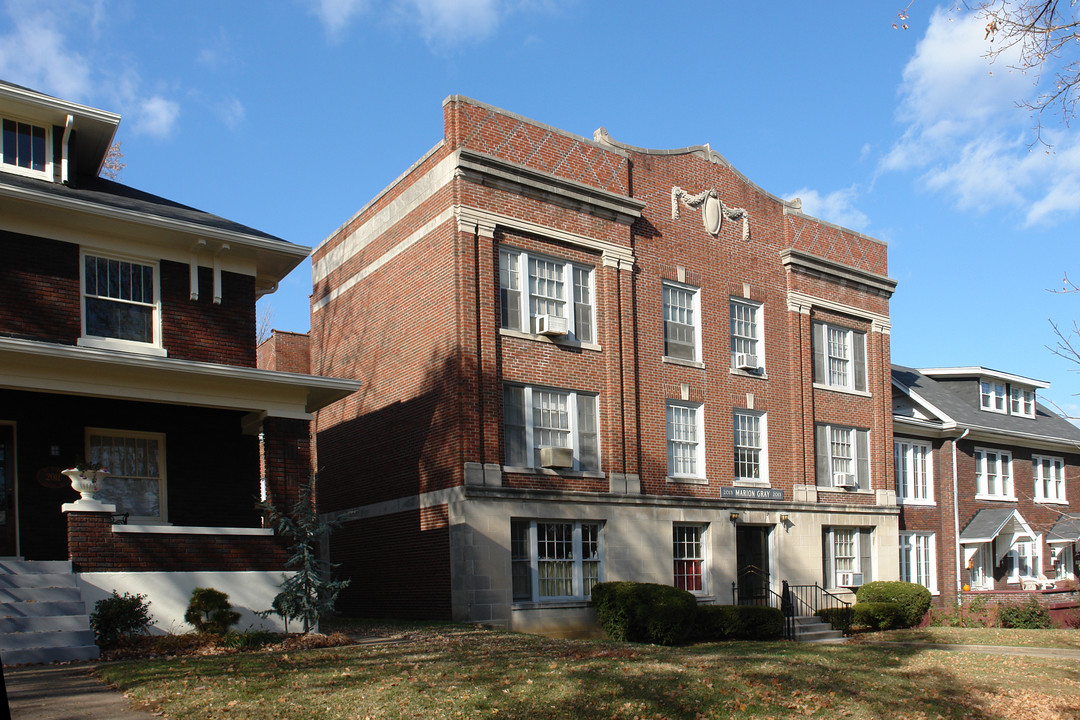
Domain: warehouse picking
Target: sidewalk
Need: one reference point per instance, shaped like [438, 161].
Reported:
[65, 692]
[1055, 653]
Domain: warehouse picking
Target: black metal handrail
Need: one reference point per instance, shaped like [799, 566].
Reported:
[810, 600]
[768, 598]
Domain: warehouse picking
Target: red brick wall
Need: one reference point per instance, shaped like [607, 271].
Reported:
[285, 352]
[399, 565]
[94, 547]
[39, 289]
[286, 460]
[200, 330]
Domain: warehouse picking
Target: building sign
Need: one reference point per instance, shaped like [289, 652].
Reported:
[745, 493]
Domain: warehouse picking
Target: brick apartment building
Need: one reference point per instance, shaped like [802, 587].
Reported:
[987, 481]
[585, 361]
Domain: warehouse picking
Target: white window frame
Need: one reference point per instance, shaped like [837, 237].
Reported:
[518, 299]
[992, 396]
[676, 410]
[913, 462]
[114, 472]
[581, 438]
[47, 173]
[689, 544]
[836, 349]
[1025, 554]
[751, 445]
[918, 559]
[677, 315]
[831, 439]
[997, 472]
[154, 347]
[854, 537]
[581, 559]
[1048, 472]
[743, 343]
[1022, 401]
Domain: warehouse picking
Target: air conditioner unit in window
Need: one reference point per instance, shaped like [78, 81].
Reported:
[556, 457]
[551, 325]
[844, 480]
[746, 361]
[850, 580]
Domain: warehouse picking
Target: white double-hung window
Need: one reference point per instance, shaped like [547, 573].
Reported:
[688, 555]
[839, 357]
[545, 296]
[682, 322]
[1049, 473]
[842, 456]
[993, 474]
[847, 556]
[555, 560]
[917, 559]
[1025, 559]
[747, 349]
[685, 440]
[1022, 401]
[914, 472]
[992, 396]
[549, 427]
[751, 457]
[120, 304]
[135, 462]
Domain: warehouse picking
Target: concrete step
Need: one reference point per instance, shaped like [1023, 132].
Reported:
[20, 566]
[44, 623]
[38, 580]
[54, 639]
[41, 609]
[50, 655]
[820, 636]
[46, 594]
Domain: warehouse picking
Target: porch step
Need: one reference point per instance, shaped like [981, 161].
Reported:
[812, 629]
[42, 616]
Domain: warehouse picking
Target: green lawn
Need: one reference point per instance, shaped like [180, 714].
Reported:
[464, 672]
[1067, 639]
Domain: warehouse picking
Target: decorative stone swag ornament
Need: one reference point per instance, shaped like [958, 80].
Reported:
[713, 212]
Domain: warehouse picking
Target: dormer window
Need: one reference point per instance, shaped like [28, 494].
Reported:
[1022, 401]
[24, 148]
[992, 396]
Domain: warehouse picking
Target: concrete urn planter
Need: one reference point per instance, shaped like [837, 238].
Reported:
[85, 482]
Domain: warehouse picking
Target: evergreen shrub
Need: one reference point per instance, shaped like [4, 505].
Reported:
[644, 612]
[913, 599]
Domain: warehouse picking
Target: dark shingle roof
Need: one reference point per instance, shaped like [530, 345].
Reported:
[987, 523]
[99, 191]
[959, 399]
[1066, 529]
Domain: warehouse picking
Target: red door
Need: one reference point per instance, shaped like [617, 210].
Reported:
[7, 491]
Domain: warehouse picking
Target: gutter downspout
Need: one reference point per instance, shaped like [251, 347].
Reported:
[956, 514]
[68, 125]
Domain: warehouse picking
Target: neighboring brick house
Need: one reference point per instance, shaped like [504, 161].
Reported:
[987, 481]
[127, 338]
[585, 361]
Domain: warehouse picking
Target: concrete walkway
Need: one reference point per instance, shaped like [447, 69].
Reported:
[1055, 653]
[69, 692]
[65, 692]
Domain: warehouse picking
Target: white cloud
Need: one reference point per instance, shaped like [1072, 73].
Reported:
[36, 54]
[232, 112]
[335, 15]
[837, 207]
[965, 135]
[157, 116]
[451, 22]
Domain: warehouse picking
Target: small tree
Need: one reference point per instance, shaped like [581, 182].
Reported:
[210, 612]
[309, 592]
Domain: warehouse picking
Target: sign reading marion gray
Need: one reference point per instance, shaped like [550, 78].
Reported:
[751, 493]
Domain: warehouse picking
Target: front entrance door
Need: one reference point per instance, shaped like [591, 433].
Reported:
[752, 558]
[7, 491]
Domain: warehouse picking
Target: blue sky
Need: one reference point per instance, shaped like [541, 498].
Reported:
[289, 116]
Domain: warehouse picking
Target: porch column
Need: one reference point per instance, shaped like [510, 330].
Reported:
[89, 538]
[286, 460]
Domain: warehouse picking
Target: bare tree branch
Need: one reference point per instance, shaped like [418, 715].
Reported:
[114, 163]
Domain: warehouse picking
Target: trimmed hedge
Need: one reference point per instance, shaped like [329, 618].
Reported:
[913, 599]
[839, 617]
[644, 612]
[877, 615]
[738, 622]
